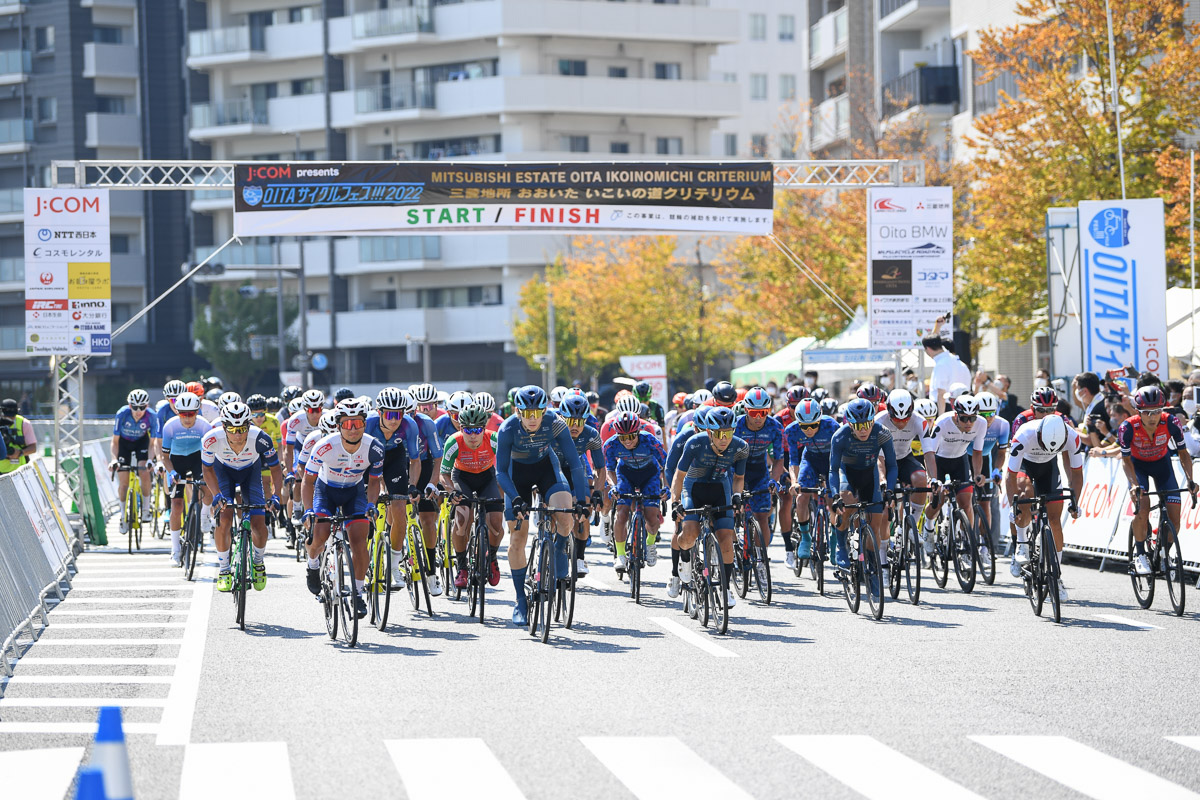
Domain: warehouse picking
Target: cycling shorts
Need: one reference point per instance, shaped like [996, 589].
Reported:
[808, 476]
[760, 503]
[707, 493]
[248, 479]
[647, 481]
[907, 467]
[395, 471]
[1044, 476]
[424, 504]
[138, 447]
[188, 466]
[344, 500]
[481, 484]
[526, 475]
[1163, 474]
[954, 469]
[864, 485]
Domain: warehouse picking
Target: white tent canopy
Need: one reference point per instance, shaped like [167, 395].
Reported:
[848, 355]
[1180, 344]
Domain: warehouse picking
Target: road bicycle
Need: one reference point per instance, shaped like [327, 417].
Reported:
[985, 545]
[379, 564]
[414, 566]
[295, 535]
[953, 541]
[445, 548]
[705, 594]
[1042, 573]
[159, 503]
[751, 563]
[478, 553]
[866, 566]
[818, 518]
[546, 592]
[131, 506]
[337, 582]
[191, 540]
[904, 556]
[635, 541]
[1166, 559]
[240, 561]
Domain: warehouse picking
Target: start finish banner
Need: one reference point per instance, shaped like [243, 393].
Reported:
[363, 198]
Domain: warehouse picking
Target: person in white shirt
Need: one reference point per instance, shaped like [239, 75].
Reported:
[948, 370]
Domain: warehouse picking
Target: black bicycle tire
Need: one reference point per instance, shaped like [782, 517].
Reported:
[1039, 579]
[849, 577]
[410, 584]
[192, 536]
[426, 569]
[912, 560]
[717, 587]
[1178, 604]
[327, 597]
[240, 574]
[633, 555]
[130, 515]
[548, 590]
[348, 598]
[1050, 561]
[699, 579]
[983, 538]
[759, 545]
[820, 548]
[533, 606]
[572, 582]
[939, 564]
[896, 556]
[1145, 599]
[872, 563]
[385, 559]
[962, 544]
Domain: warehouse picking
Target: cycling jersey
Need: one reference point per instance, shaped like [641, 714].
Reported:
[297, 428]
[273, 429]
[445, 428]
[685, 433]
[179, 440]
[812, 451]
[1139, 444]
[259, 450]
[786, 416]
[1025, 448]
[405, 434]
[458, 455]
[516, 445]
[336, 466]
[607, 431]
[165, 412]
[644, 457]
[701, 464]
[946, 440]
[903, 436]
[130, 429]
[494, 423]
[764, 443]
[429, 444]
[305, 450]
[1026, 416]
[847, 451]
[209, 410]
[998, 432]
[587, 442]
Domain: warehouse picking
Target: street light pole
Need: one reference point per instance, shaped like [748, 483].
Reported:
[279, 323]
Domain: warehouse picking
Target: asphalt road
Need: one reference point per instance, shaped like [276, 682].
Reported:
[961, 696]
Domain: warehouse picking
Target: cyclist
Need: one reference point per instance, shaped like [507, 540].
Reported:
[469, 467]
[508, 409]
[257, 404]
[134, 427]
[764, 465]
[598, 413]
[166, 407]
[286, 397]
[556, 397]
[300, 424]
[831, 408]
[854, 471]
[325, 427]
[809, 440]
[628, 404]
[925, 408]
[181, 439]
[575, 411]
[635, 458]
[488, 404]
[208, 409]
[723, 394]
[1043, 401]
[426, 396]
[710, 472]
[430, 453]
[700, 398]
[644, 392]
[392, 426]
[872, 393]
[233, 455]
[955, 432]
[524, 459]
[344, 393]
[791, 399]
[994, 443]
[913, 463]
[1147, 441]
[1033, 451]
[334, 484]
[677, 408]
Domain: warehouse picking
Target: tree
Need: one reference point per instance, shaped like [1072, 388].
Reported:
[1055, 143]
[223, 329]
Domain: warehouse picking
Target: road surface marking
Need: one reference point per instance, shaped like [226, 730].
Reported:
[892, 775]
[121, 642]
[1083, 769]
[687, 774]
[1187, 741]
[424, 764]
[122, 613]
[105, 661]
[125, 601]
[176, 723]
[256, 769]
[90, 679]
[1133, 623]
[142, 571]
[84, 581]
[693, 638]
[88, 728]
[67, 702]
[39, 774]
[62, 626]
[174, 587]
[591, 580]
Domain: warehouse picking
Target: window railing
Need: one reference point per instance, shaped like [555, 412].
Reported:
[374, 249]
[987, 95]
[921, 87]
[16, 62]
[888, 6]
[393, 98]
[258, 254]
[218, 41]
[234, 112]
[12, 270]
[16, 130]
[394, 21]
[12, 201]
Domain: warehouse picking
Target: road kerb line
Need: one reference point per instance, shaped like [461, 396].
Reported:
[1133, 623]
[693, 638]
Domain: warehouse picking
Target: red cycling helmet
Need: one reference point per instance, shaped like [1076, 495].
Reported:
[678, 399]
[627, 423]
[1149, 398]
[796, 394]
[1044, 397]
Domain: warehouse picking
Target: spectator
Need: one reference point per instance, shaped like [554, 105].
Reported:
[1194, 378]
[1109, 447]
[1064, 407]
[1174, 393]
[810, 379]
[948, 369]
[1087, 396]
[791, 380]
[887, 379]
[1148, 379]
[18, 436]
[1010, 408]
[1041, 379]
[911, 382]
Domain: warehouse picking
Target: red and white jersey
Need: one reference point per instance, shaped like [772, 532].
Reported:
[946, 440]
[334, 465]
[297, 428]
[607, 431]
[310, 441]
[215, 448]
[1024, 447]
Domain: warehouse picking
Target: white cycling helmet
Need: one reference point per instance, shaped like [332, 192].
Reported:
[296, 406]
[458, 402]
[424, 393]
[138, 397]
[174, 389]
[1052, 433]
[235, 414]
[313, 399]
[486, 402]
[956, 390]
[629, 403]
[227, 398]
[925, 408]
[353, 407]
[701, 396]
[557, 394]
[966, 404]
[187, 402]
[900, 403]
[328, 423]
[367, 401]
[988, 403]
[390, 398]
[407, 404]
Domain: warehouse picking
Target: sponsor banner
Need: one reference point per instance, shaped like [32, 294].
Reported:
[652, 369]
[1123, 245]
[68, 273]
[910, 263]
[420, 196]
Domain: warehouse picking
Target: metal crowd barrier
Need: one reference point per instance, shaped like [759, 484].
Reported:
[37, 557]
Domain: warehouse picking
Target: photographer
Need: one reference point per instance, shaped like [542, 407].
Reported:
[18, 436]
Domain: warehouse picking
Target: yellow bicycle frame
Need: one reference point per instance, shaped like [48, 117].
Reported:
[414, 539]
[132, 493]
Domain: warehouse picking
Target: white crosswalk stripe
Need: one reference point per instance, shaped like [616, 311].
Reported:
[686, 773]
[424, 763]
[39, 774]
[256, 769]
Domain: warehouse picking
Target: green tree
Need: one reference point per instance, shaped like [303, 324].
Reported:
[223, 329]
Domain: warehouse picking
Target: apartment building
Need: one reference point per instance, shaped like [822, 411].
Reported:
[841, 75]
[430, 79]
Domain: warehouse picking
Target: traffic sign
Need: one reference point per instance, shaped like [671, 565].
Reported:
[319, 361]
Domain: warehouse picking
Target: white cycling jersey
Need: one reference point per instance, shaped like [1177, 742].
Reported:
[309, 441]
[215, 448]
[297, 428]
[335, 466]
[1025, 447]
[904, 436]
[209, 410]
[944, 438]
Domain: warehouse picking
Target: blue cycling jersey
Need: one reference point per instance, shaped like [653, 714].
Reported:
[182, 441]
[165, 412]
[700, 463]
[444, 427]
[997, 435]
[429, 444]
[406, 434]
[681, 438]
[811, 450]
[515, 443]
[645, 457]
[588, 441]
[765, 442]
[851, 453]
[130, 429]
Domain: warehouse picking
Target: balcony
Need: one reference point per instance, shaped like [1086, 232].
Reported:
[109, 60]
[827, 39]
[15, 66]
[393, 98]
[253, 254]
[12, 7]
[15, 135]
[12, 338]
[233, 118]
[923, 86]
[12, 274]
[912, 15]
[404, 21]
[300, 112]
[113, 130]
[218, 46]
[459, 325]
[831, 122]
[12, 205]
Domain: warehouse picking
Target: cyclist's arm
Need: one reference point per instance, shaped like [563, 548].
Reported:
[308, 489]
[373, 482]
[677, 486]
[1075, 475]
[167, 461]
[210, 480]
[835, 462]
[276, 479]
[504, 462]
[891, 471]
[977, 465]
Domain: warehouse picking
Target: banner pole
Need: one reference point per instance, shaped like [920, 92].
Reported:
[1112, 77]
[1192, 250]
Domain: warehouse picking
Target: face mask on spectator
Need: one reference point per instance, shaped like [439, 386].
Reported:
[912, 386]
[1041, 383]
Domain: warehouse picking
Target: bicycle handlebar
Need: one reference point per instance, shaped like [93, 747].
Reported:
[1043, 500]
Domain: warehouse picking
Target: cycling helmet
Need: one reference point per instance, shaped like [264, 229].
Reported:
[329, 422]
[900, 404]
[367, 401]
[424, 394]
[557, 394]
[576, 390]
[829, 407]
[700, 418]
[1146, 398]
[313, 399]
[678, 399]
[643, 390]
[871, 393]
[689, 402]
[442, 397]
[196, 388]
[389, 398]
[341, 394]
[629, 403]
[235, 414]
[213, 395]
[487, 402]
[724, 394]
[966, 404]
[214, 382]
[795, 394]
[174, 389]
[575, 407]
[626, 423]
[531, 396]
[187, 402]
[643, 411]
[512, 395]
[757, 398]
[459, 401]
[352, 407]
[257, 402]
[295, 407]
[593, 398]
[808, 411]
[989, 404]
[1044, 397]
[720, 417]
[274, 404]
[702, 397]
[474, 416]
[407, 404]
[739, 409]
[1052, 433]
[138, 397]
[623, 393]
[290, 393]
[956, 390]
[859, 410]
[820, 393]
[228, 397]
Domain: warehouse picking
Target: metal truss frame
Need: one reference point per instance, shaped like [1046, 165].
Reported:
[68, 425]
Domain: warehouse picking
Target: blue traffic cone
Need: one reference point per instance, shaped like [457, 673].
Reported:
[90, 785]
[110, 755]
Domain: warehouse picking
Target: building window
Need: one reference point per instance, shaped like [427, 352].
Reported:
[758, 86]
[576, 144]
[667, 71]
[307, 86]
[787, 87]
[669, 145]
[787, 28]
[758, 145]
[729, 77]
[119, 242]
[619, 148]
[110, 105]
[47, 109]
[618, 72]
[568, 66]
[731, 144]
[43, 39]
[758, 27]
[455, 297]
[373, 249]
[106, 34]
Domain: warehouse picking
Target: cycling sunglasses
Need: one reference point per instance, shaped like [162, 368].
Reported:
[259, 413]
[530, 413]
[987, 414]
[187, 414]
[391, 416]
[352, 424]
[137, 408]
[757, 413]
[628, 437]
[967, 417]
[810, 427]
[473, 431]
[724, 433]
[237, 429]
[862, 426]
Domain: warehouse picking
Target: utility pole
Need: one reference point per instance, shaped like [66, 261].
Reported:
[551, 342]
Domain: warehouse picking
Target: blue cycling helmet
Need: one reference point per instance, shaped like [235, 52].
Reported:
[808, 412]
[700, 418]
[859, 410]
[530, 397]
[575, 406]
[757, 398]
[720, 417]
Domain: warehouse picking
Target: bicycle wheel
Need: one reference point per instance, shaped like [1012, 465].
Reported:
[820, 534]
[411, 566]
[850, 577]
[912, 559]
[241, 580]
[939, 562]
[329, 597]
[130, 511]
[191, 542]
[446, 556]
[546, 588]
[532, 587]
[425, 569]
[634, 546]
[985, 550]
[1037, 579]
[760, 563]
[1050, 570]
[569, 589]
[381, 582]
[700, 582]
[347, 593]
[872, 567]
[716, 586]
[1172, 565]
[962, 545]
[1143, 585]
